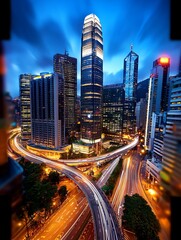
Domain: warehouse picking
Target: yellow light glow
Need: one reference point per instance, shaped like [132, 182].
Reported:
[152, 191]
[164, 60]
[167, 212]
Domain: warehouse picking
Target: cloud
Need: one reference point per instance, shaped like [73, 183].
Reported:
[111, 78]
[55, 39]
[24, 25]
[42, 29]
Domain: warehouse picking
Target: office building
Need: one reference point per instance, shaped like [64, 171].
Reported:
[113, 99]
[67, 66]
[171, 169]
[140, 112]
[130, 79]
[24, 83]
[142, 89]
[47, 110]
[91, 79]
[157, 105]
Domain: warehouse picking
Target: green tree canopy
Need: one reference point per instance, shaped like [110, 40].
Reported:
[54, 177]
[38, 192]
[139, 218]
[107, 189]
[62, 191]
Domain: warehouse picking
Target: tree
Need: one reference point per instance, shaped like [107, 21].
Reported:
[54, 177]
[46, 194]
[62, 192]
[107, 189]
[139, 218]
[38, 192]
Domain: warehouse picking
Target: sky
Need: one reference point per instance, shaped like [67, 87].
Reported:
[42, 28]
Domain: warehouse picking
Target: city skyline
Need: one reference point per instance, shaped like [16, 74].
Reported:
[49, 29]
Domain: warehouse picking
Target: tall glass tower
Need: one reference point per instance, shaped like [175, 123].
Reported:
[91, 79]
[130, 79]
[157, 103]
[67, 66]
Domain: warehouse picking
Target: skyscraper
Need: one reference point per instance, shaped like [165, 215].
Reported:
[130, 79]
[171, 171]
[91, 79]
[24, 83]
[67, 66]
[157, 104]
[113, 99]
[46, 110]
[141, 114]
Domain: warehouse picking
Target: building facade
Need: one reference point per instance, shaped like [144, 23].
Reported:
[91, 79]
[113, 99]
[157, 105]
[141, 114]
[130, 79]
[46, 110]
[24, 83]
[17, 114]
[171, 170]
[67, 66]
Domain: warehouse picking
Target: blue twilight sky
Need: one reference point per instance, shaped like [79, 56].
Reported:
[42, 28]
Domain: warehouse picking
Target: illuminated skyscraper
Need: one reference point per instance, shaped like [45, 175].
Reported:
[157, 105]
[46, 110]
[113, 99]
[24, 83]
[91, 79]
[130, 79]
[67, 66]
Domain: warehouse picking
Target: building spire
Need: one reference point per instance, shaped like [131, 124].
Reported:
[131, 47]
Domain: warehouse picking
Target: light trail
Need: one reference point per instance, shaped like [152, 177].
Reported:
[108, 228]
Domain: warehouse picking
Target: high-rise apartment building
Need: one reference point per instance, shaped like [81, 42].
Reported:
[91, 79]
[130, 79]
[24, 84]
[67, 66]
[46, 110]
[113, 99]
[157, 105]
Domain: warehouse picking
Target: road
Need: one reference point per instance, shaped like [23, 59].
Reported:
[106, 174]
[103, 157]
[61, 222]
[130, 182]
[105, 222]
